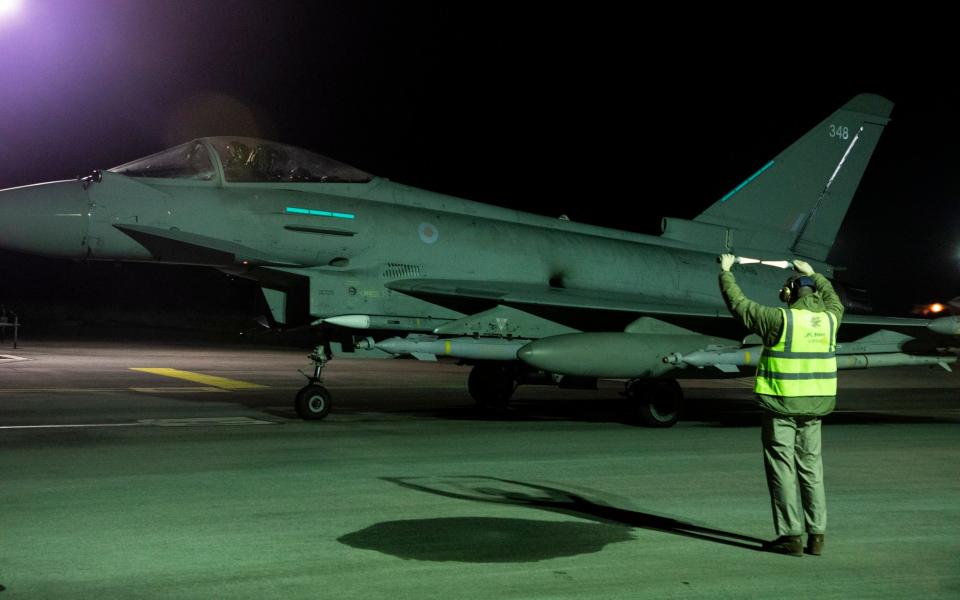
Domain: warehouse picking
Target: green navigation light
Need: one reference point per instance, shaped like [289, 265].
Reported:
[318, 213]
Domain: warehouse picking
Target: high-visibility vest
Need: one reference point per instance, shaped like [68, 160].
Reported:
[803, 362]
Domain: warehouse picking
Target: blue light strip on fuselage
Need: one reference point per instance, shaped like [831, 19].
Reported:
[749, 179]
[318, 213]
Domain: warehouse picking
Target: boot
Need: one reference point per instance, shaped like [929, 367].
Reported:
[815, 544]
[785, 544]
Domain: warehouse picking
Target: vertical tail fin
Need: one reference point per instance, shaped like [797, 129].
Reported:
[796, 202]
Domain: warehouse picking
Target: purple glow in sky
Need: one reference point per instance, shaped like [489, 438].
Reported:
[9, 7]
[10, 14]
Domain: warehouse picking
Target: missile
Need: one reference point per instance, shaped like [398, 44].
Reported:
[728, 360]
[383, 322]
[428, 347]
[892, 359]
[725, 359]
[945, 326]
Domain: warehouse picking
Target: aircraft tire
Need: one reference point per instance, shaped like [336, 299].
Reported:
[313, 402]
[491, 385]
[658, 402]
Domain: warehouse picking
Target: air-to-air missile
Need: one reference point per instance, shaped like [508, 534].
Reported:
[880, 349]
[384, 322]
[729, 360]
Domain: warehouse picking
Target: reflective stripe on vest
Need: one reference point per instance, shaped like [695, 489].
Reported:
[802, 363]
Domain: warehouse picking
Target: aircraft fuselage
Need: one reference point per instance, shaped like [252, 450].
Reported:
[353, 238]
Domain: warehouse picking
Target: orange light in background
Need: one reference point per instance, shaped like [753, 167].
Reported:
[936, 307]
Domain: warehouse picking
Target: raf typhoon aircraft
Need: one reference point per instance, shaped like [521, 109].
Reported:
[381, 267]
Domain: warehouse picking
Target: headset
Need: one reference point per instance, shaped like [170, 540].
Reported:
[791, 289]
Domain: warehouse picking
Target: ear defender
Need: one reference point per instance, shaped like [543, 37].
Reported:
[791, 289]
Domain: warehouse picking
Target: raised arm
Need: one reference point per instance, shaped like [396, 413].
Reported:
[765, 321]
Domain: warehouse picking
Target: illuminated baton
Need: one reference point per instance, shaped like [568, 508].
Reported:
[780, 264]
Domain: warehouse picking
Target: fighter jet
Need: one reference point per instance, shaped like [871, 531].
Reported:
[382, 267]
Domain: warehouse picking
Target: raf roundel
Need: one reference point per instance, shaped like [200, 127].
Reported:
[428, 233]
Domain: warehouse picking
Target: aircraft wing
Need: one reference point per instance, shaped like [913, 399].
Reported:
[891, 323]
[453, 294]
[472, 296]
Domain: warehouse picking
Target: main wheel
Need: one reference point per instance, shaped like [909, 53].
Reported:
[658, 402]
[313, 402]
[492, 384]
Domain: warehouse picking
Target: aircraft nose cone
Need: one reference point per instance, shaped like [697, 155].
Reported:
[49, 219]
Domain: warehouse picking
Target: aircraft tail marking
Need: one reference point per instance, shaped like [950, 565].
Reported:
[747, 182]
[796, 202]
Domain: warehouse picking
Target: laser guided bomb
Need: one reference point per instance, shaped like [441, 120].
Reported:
[427, 347]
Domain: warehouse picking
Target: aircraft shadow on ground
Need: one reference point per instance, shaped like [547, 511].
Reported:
[485, 539]
[480, 539]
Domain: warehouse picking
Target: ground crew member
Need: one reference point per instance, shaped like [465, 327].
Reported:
[796, 384]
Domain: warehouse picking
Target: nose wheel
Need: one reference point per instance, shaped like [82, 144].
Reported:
[314, 401]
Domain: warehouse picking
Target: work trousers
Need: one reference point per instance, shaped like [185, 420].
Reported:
[794, 466]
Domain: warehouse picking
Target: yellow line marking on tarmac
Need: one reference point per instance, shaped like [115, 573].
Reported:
[211, 380]
[176, 390]
[58, 390]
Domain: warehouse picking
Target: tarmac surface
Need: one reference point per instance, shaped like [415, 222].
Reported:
[121, 483]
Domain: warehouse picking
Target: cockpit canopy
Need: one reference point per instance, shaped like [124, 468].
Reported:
[242, 160]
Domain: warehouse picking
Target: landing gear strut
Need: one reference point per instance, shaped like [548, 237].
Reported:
[314, 401]
[657, 402]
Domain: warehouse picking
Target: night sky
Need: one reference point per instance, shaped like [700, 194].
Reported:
[592, 111]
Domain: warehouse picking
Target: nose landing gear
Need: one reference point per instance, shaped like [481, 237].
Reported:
[314, 401]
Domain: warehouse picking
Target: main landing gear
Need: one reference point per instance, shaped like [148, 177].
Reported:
[654, 402]
[491, 384]
[314, 401]
[657, 402]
